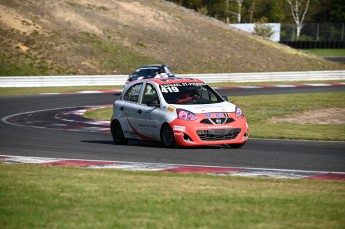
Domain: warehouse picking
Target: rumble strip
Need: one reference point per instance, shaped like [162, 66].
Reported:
[210, 170]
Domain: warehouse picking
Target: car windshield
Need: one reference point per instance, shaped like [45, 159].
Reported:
[189, 93]
[148, 72]
[144, 72]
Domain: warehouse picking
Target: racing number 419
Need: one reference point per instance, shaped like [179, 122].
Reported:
[169, 89]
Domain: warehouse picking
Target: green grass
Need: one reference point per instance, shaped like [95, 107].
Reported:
[99, 114]
[326, 52]
[33, 196]
[260, 109]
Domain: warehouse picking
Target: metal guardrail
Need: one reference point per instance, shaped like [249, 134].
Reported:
[271, 76]
[62, 81]
[112, 80]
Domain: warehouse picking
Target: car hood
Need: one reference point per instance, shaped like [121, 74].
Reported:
[207, 108]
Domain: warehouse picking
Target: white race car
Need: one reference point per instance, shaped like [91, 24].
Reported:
[177, 112]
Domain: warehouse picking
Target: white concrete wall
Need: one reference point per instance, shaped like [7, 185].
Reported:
[249, 28]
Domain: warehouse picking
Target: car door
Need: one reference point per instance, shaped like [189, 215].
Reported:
[149, 120]
[131, 111]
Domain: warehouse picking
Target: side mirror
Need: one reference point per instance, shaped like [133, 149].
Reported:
[153, 103]
[225, 98]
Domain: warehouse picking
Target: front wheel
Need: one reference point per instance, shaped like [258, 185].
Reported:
[167, 136]
[117, 133]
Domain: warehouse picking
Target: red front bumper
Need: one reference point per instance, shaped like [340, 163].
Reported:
[194, 133]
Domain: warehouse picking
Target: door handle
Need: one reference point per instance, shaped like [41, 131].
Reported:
[139, 111]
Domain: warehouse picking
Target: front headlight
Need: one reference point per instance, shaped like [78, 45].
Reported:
[185, 115]
[238, 112]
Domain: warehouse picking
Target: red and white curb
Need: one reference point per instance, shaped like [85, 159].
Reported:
[200, 169]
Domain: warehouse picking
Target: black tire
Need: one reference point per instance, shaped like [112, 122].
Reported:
[117, 133]
[167, 136]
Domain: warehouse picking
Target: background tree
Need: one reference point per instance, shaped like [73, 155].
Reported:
[218, 9]
[276, 11]
[262, 29]
[299, 9]
[329, 11]
[226, 10]
[237, 13]
[273, 10]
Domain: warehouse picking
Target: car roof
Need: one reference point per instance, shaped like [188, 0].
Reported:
[146, 67]
[153, 65]
[161, 81]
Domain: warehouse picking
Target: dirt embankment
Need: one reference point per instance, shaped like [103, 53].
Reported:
[107, 36]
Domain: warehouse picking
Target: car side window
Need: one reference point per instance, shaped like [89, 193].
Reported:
[133, 93]
[208, 96]
[135, 74]
[150, 94]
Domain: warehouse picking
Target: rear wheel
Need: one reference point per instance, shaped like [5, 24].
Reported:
[117, 133]
[167, 136]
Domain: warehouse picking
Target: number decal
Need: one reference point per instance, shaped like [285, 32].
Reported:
[169, 89]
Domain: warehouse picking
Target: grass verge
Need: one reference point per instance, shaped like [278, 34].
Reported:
[326, 52]
[260, 109]
[33, 196]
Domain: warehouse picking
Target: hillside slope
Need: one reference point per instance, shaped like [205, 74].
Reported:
[115, 36]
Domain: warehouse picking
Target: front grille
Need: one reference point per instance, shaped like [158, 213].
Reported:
[218, 135]
[217, 121]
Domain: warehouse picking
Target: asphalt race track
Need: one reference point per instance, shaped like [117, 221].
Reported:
[49, 142]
